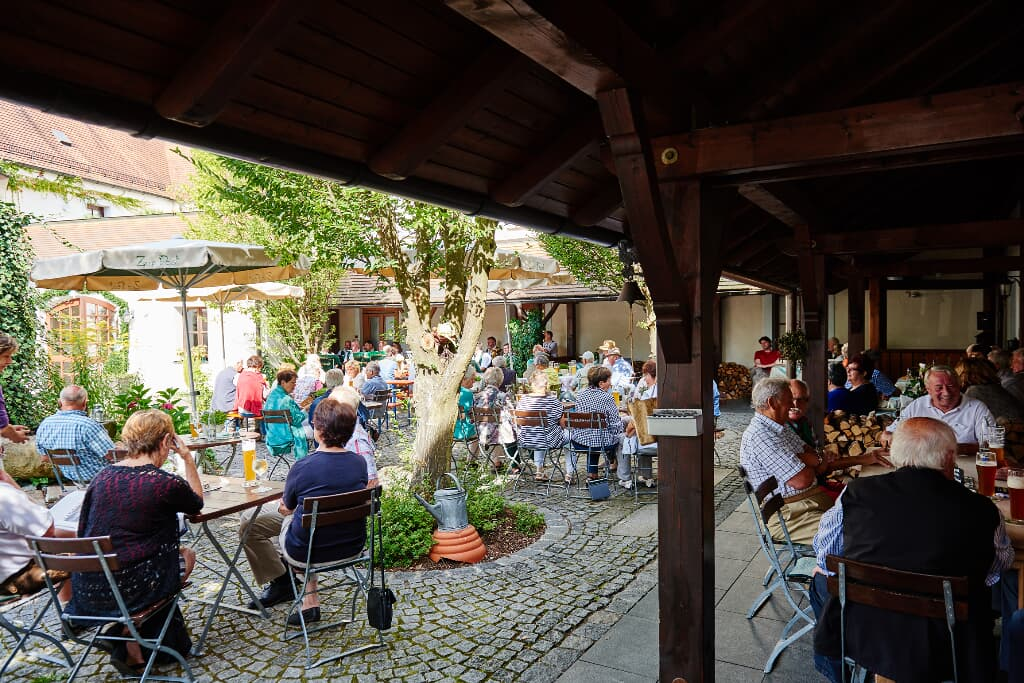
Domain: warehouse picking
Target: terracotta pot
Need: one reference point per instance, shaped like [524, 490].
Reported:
[463, 545]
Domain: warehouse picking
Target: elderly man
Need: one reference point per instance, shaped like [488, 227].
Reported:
[580, 380]
[622, 371]
[549, 344]
[71, 428]
[968, 417]
[373, 382]
[962, 534]
[1015, 382]
[20, 517]
[388, 365]
[771, 449]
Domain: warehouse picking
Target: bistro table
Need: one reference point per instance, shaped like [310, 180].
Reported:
[1014, 530]
[223, 496]
[199, 443]
[407, 385]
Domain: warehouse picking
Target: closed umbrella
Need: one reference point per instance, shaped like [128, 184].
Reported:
[222, 296]
[177, 264]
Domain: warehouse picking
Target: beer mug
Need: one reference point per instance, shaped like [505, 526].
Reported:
[248, 458]
[1015, 485]
[987, 466]
[995, 436]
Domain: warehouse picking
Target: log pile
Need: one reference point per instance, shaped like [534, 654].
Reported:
[851, 435]
[734, 381]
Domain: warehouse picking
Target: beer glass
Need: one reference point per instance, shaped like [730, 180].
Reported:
[617, 397]
[987, 466]
[248, 457]
[1015, 484]
[995, 437]
[260, 466]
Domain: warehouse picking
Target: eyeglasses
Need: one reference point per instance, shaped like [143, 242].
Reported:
[800, 399]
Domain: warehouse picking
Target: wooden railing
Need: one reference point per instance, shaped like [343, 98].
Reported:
[894, 362]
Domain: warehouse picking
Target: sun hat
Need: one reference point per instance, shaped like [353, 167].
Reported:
[607, 344]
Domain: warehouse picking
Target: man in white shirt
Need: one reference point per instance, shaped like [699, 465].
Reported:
[482, 358]
[388, 364]
[968, 417]
[20, 517]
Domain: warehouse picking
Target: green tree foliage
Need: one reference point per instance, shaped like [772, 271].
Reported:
[27, 387]
[591, 264]
[525, 333]
[338, 226]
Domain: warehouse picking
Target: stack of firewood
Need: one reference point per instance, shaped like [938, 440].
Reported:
[851, 435]
[734, 381]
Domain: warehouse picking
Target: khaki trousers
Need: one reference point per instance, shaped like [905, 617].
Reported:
[264, 557]
[802, 518]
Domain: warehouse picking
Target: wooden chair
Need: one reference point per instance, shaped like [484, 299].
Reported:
[96, 555]
[921, 595]
[486, 420]
[280, 453]
[792, 570]
[115, 455]
[323, 511]
[535, 419]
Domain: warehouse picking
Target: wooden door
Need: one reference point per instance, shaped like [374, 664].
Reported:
[380, 323]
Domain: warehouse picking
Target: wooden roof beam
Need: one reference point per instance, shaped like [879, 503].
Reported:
[991, 264]
[487, 75]
[555, 157]
[246, 32]
[754, 281]
[786, 204]
[599, 205]
[999, 233]
[583, 42]
[969, 118]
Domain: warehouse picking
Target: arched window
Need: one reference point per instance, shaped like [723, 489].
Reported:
[79, 324]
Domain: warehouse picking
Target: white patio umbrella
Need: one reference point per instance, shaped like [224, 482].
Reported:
[177, 264]
[222, 296]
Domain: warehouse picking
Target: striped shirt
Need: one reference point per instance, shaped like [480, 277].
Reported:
[540, 437]
[73, 429]
[594, 400]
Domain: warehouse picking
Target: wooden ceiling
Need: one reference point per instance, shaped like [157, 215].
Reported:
[489, 106]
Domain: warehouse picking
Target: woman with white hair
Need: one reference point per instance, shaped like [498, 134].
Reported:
[310, 380]
[360, 443]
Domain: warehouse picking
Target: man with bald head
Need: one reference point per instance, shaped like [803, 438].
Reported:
[71, 428]
[968, 417]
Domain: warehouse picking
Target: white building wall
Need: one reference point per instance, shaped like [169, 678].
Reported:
[744, 320]
[51, 208]
[932, 318]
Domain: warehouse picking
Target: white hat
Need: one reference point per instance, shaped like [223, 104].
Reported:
[613, 351]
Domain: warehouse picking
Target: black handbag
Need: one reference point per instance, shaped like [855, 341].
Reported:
[599, 489]
[380, 600]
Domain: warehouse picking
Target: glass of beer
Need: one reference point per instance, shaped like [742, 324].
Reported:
[617, 397]
[248, 457]
[995, 437]
[1015, 484]
[260, 466]
[987, 466]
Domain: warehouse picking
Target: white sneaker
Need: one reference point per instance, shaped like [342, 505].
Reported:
[640, 481]
[651, 483]
[626, 484]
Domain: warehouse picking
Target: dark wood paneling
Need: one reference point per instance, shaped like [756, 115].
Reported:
[894, 362]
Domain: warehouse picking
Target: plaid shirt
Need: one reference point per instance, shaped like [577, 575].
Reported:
[829, 541]
[769, 449]
[73, 429]
[593, 400]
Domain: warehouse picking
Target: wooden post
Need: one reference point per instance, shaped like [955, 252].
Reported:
[855, 315]
[790, 326]
[570, 329]
[876, 309]
[815, 304]
[677, 240]
[1020, 300]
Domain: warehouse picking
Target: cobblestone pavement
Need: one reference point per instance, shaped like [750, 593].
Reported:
[527, 617]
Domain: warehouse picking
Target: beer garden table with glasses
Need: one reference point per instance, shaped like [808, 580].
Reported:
[223, 496]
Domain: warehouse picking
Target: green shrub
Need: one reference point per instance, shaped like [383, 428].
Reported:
[407, 529]
[526, 518]
[485, 507]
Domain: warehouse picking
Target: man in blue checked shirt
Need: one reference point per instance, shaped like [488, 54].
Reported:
[71, 428]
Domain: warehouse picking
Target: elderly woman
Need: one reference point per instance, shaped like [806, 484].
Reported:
[353, 375]
[136, 504]
[596, 399]
[863, 397]
[310, 380]
[838, 394]
[541, 440]
[464, 428]
[281, 437]
[16, 433]
[508, 376]
[646, 387]
[330, 470]
[978, 379]
[492, 398]
[580, 380]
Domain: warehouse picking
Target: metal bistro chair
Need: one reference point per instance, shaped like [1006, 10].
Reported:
[380, 413]
[322, 511]
[280, 453]
[922, 595]
[65, 457]
[81, 555]
[22, 633]
[792, 575]
[115, 455]
[535, 419]
[469, 441]
[578, 421]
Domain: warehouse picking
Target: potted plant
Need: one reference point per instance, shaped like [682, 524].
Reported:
[793, 346]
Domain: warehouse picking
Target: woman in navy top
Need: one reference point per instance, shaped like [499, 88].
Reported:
[838, 394]
[863, 396]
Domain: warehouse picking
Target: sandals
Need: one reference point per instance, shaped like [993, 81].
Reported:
[540, 477]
